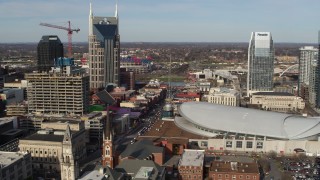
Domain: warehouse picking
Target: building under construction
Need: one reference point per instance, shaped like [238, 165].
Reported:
[64, 90]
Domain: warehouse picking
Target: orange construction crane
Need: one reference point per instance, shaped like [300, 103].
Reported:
[70, 31]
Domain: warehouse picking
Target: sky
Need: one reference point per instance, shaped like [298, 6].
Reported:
[165, 20]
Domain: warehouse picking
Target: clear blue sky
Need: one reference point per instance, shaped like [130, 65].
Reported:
[166, 20]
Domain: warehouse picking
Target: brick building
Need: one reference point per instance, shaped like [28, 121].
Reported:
[224, 170]
[191, 164]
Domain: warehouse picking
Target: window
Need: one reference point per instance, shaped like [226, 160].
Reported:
[227, 175]
[219, 175]
[254, 177]
[247, 177]
[240, 176]
[239, 144]
[259, 145]
[229, 144]
[249, 144]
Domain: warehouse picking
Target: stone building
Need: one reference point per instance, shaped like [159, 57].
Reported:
[277, 101]
[57, 148]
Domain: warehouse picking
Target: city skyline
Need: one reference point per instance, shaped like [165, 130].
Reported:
[165, 21]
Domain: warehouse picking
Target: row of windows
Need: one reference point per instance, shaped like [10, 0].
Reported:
[249, 144]
[191, 177]
[190, 171]
[233, 176]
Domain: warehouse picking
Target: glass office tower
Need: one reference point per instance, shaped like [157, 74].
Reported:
[317, 74]
[260, 63]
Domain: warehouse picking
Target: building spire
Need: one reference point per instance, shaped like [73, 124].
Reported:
[116, 13]
[90, 20]
[67, 135]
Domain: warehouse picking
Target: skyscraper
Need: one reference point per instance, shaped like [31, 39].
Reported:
[104, 50]
[49, 48]
[317, 74]
[308, 55]
[260, 62]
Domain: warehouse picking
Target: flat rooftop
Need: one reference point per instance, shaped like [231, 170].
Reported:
[169, 130]
[238, 167]
[192, 157]
[7, 158]
[93, 175]
[273, 93]
[144, 173]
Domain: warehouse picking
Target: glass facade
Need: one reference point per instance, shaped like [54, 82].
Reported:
[308, 55]
[317, 79]
[260, 62]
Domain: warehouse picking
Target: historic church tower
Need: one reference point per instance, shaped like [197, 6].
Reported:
[108, 148]
[69, 168]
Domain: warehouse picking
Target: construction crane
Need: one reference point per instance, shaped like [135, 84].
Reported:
[70, 31]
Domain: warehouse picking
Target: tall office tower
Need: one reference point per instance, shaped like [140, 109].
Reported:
[64, 90]
[260, 62]
[317, 74]
[104, 50]
[49, 48]
[307, 56]
[312, 82]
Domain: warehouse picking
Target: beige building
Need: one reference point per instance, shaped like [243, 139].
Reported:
[61, 91]
[224, 96]
[57, 148]
[277, 101]
[15, 165]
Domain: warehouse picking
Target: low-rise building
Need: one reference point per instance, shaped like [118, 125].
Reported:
[277, 101]
[141, 169]
[15, 165]
[191, 164]
[143, 150]
[57, 149]
[224, 96]
[233, 170]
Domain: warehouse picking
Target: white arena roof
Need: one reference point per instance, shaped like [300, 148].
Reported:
[209, 119]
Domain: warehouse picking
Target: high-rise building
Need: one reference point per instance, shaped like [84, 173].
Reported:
[104, 50]
[49, 48]
[317, 74]
[260, 62]
[307, 56]
[64, 90]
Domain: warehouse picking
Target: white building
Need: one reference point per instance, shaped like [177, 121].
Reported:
[308, 54]
[277, 101]
[224, 96]
[15, 165]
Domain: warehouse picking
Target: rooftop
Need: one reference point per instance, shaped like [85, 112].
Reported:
[168, 129]
[192, 157]
[44, 137]
[7, 158]
[208, 120]
[273, 93]
[219, 166]
[141, 149]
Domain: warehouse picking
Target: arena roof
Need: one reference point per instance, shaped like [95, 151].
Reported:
[210, 119]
